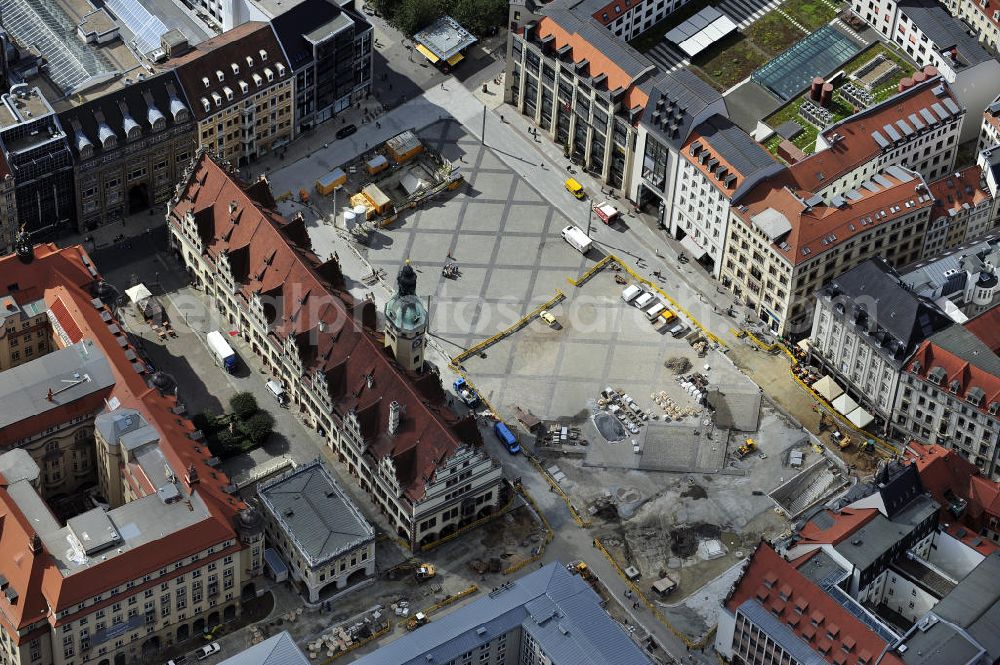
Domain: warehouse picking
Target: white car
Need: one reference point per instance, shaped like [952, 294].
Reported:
[207, 650]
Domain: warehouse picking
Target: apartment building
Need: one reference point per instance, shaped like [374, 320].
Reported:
[158, 549]
[129, 148]
[785, 243]
[962, 282]
[509, 627]
[970, 502]
[382, 410]
[983, 18]
[241, 92]
[40, 162]
[989, 133]
[329, 49]
[580, 85]
[950, 392]
[917, 128]
[870, 579]
[964, 209]
[866, 325]
[8, 207]
[320, 533]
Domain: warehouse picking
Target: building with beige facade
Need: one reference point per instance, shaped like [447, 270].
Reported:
[317, 529]
[241, 92]
[158, 548]
[382, 410]
[8, 207]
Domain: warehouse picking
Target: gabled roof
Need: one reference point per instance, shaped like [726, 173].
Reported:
[66, 280]
[832, 527]
[945, 31]
[279, 649]
[335, 334]
[958, 191]
[975, 605]
[803, 608]
[948, 476]
[728, 157]
[876, 299]
[227, 69]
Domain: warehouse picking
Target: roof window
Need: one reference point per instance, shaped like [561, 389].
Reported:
[204, 79]
[263, 55]
[236, 69]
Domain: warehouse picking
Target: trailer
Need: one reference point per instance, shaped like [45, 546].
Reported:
[223, 354]
[331, 181]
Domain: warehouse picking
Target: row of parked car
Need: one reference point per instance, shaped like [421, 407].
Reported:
[655, 310]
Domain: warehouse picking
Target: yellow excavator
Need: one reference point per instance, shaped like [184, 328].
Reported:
[748, 447]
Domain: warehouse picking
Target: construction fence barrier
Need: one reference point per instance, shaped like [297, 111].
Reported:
[688, 642]
[360, 643]
[549, 535]
[510, 330]
[506, 508]
[580, 520]
[884, 448]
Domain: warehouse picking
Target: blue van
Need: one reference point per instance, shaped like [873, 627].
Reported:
[507, 438]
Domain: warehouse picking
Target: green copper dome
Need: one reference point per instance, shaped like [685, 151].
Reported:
[405, 311]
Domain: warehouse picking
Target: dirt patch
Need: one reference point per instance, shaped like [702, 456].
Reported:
[684, 539]
[694, 492]
[610, 427]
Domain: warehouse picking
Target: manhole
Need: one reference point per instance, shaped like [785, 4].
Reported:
[610, 427]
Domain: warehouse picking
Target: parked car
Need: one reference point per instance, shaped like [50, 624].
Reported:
[204, 652]
[346, 131]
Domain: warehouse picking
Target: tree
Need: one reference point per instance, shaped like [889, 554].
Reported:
[257, 427]
[243, 405]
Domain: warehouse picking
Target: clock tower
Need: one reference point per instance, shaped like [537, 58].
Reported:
[406, 322]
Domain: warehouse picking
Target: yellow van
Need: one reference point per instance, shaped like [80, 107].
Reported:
[575, 188]
[667, 315]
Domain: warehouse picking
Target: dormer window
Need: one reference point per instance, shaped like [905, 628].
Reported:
[994, 408]
[269, 74]
[236, 69]
[954, 386]
[257, 79]
[936, 376]
[975, 396]
[281, 68]
[220, 75]
[263, 55]
[217, 98]
[244, 87]
[204, 79]
[206, 104]
[249, 61]
[87, 151]
[229, 92]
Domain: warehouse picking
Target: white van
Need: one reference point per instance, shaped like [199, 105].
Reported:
[631, 292]
[645, 300]
[577, 238]
[277, 391]
[655, 310]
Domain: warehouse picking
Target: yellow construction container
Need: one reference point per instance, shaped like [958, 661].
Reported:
[331, 181]
[404, 146]
[376, 198]
[376, 164]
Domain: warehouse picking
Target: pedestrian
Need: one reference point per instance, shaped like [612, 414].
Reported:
[501, 117]
[378, 125]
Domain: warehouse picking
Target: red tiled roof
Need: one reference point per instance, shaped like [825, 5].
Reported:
[810, 226]
[946, 474]
[954, 191]
[856, 147]
[845, 522]
[986, 327]
[63, 279]
[599, 62]
[336, 335]
[806, 604]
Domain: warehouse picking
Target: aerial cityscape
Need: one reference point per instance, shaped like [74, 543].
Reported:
[499, 332]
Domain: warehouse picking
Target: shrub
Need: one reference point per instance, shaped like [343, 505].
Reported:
[257, 427]
[243, 405]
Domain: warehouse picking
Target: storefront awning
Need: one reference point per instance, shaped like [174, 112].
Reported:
[455, 59]
[690, 245]
[844, 404]
[860, 418]
[828, 389]
[804, 344]
[427, 53]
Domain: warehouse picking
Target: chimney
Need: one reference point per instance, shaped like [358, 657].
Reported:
[816, 88]
[395, 415]
[192, 475]
[36, 544]
[232, 207]
[50, 396]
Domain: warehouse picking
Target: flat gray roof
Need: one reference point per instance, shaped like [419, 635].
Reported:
[975, 604]
[939, 643]
[445, 37]
[71, 373]
[314, 511]
[559, 610]
[871, 541]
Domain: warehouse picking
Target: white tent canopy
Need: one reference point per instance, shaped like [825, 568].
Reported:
[844, 404]
[860, 418]
[138, 293]
[828, 389]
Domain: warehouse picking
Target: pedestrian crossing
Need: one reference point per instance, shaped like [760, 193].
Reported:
[668, 57]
